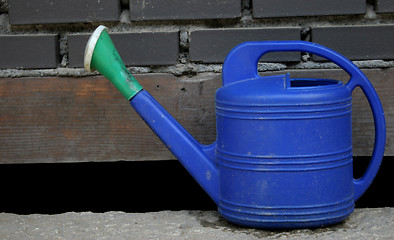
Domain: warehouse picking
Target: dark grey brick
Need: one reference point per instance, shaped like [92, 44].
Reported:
[180, 9]
[136, 49]
[62, 11]
[76, 49]
[286, 8]
[384, 6]
[212, 46]
[3, 6]
[29, 51]
[357, 43]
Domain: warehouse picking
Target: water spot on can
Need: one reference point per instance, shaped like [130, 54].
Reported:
[208, 175]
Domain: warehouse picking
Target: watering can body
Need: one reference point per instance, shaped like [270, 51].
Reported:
[283, 153]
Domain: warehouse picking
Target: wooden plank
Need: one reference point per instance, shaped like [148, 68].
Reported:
[77, 119]
[197, 106]
[86, 119]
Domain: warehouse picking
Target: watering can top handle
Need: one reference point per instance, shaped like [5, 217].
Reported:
[241, 64]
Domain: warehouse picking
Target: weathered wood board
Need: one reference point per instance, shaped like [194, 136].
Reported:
[61, 119]
[77, 119]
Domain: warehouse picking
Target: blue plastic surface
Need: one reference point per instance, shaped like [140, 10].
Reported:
[193, 156]
[283, 154]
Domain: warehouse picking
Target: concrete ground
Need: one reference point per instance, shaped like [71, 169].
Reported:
[377, 223]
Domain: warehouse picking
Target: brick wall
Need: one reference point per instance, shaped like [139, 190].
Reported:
[185, 41]
[50, 34]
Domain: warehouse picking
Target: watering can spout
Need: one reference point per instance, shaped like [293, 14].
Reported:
[198, 159]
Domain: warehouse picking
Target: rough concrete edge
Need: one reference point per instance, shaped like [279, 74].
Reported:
[187, 69]
[369, 223]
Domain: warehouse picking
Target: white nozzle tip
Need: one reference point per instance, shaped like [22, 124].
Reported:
[90, 47]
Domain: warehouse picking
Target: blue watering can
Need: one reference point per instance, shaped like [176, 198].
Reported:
[283, 153]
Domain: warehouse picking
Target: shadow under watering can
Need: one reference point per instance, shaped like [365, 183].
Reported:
[283, 153]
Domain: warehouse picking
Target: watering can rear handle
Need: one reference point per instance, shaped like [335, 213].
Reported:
[245, 57]
[361, 184]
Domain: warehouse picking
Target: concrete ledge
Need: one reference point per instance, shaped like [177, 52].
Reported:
[375, 224]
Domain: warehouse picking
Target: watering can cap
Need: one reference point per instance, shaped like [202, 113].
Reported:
[251, 91]
[90, 47]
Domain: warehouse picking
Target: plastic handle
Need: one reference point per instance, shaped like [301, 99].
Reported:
[361, 184]
[241, 64]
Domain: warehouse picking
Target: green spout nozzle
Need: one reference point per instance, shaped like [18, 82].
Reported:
[101, 55]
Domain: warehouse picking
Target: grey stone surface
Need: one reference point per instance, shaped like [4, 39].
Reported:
[181, 9]
[184, 69]
[62, 11]
[212, 46]
[29, 51]
[363, 224]
[357, 42]
[285, 8]
[135, 49]
[384, 6]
